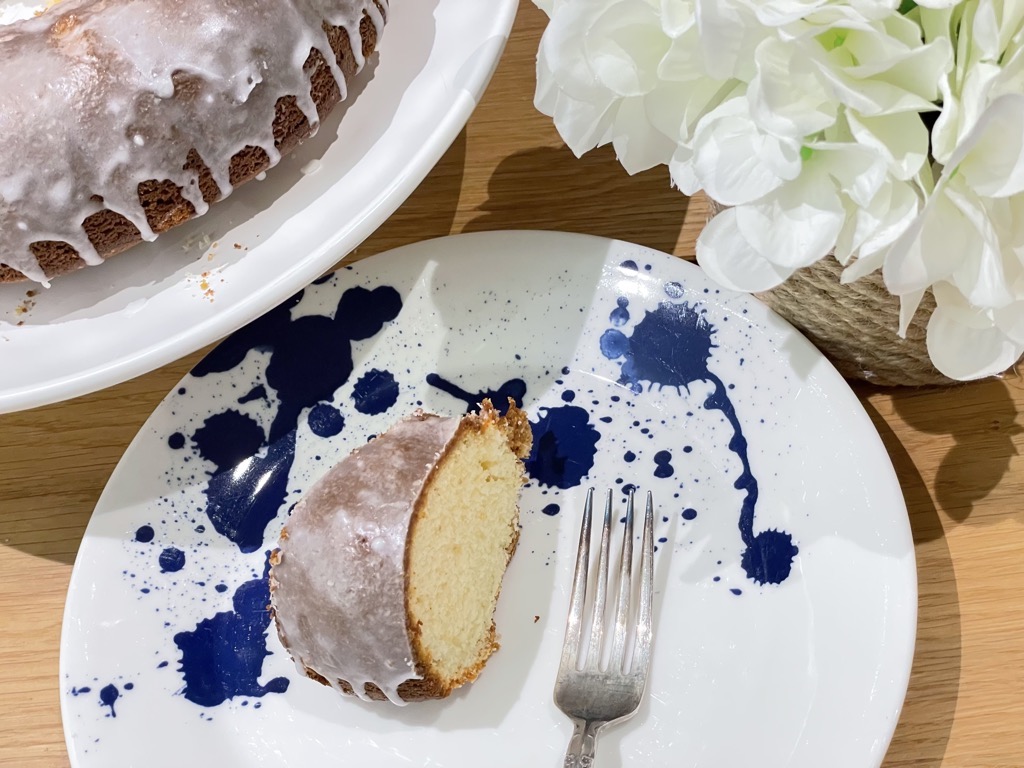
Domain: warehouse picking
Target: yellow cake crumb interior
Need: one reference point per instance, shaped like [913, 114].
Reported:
[458, 551]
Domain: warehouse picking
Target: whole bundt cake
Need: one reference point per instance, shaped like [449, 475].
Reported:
[121, 118]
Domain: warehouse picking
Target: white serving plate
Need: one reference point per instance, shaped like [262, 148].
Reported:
[634, 369]
[199, 282]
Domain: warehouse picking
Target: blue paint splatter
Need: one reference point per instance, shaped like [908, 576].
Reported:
[564, 446]
[259, 392]
[176, 441]
[689, 514]
[663, 464]
[736, 591]
[108, 695]
[514, 388]
[325, 420]
[672, 346]
[629, 457]
[310, 358]
[551, 510]
[221, 587]
[568, 396]
[144, 534]
[223, 656]
[620, 315]
[79, 691]
[172, 560]
[129, 686]
[375, 392]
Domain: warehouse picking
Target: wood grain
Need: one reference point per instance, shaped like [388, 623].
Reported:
[955, 451]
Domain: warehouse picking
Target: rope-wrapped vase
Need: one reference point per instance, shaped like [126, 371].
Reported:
[855, 325]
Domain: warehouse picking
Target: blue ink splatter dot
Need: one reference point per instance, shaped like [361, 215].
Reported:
[176, 441]
[689, 514]
[629, 265]
[687, 449]
[83, 689]
[108, 695]
[325, 420]
[221, 588]
[181, 390]
[259, 392]
[614, 344]
[375, 392]
[514, 388]
[736, 591]
[628, 488]
[129, 686]
[568, 396]
[564, 446]
[551, 510]
[674, 290]
[223, 656]
[629, 456]
[161, 665]
[144, 534]
[172, 559]
[144, 590]
[620, 315]
[769, 557]
[717, 578]
[663, 467]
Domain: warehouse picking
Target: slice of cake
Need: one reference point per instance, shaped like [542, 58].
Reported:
[388, 572]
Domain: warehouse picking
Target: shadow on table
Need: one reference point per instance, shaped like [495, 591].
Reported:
[927, 718]
[549, 188]
[983, 427]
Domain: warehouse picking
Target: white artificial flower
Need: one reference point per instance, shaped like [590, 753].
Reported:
[598, 77]
[887, 133]
[968, 239]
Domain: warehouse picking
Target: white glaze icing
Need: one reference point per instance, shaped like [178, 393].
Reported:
[87, 103]
[338, 586]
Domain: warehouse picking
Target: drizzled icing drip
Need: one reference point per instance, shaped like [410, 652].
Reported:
[89, 109]
[338, 580]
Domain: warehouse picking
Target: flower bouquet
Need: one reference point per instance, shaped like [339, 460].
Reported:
[887, 136]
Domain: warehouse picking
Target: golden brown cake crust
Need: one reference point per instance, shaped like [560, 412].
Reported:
[163, 203]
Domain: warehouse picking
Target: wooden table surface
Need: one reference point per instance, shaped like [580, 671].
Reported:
[954, 450]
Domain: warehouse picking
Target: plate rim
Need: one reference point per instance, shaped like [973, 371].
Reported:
[853, 408]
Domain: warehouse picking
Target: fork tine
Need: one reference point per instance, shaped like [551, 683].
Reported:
[642, 649]
[617, 659]
[577, 601]
[601, 593]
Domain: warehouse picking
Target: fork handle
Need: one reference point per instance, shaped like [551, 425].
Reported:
[582, 744]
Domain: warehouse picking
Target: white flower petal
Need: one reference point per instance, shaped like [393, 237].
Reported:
[994, 163]
[862, 267]
[677, 16]
[1010, 320]
[930, 249]
[796, 225]
[638, 144]
[737, 163]
[623, 46]
[787, 96]
[900, 138]
[729, 260]
[583, 125]
[729, 33]
[909, 304]
[967, 352]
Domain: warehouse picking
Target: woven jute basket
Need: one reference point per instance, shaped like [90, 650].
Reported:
[855, 325]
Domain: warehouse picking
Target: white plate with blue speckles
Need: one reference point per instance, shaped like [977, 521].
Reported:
[202, 280]
[785, 575]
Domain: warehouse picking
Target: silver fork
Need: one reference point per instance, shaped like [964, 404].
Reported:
[593, 694]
